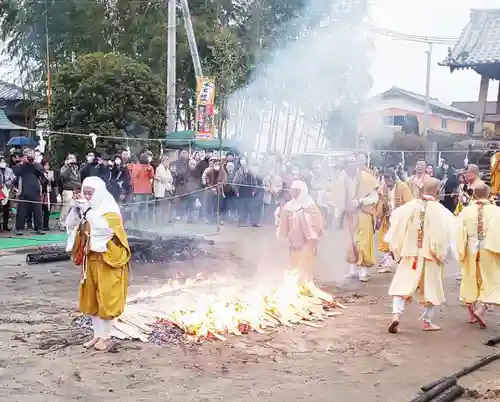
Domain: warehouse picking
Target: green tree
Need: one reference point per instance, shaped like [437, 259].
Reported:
[107, 94]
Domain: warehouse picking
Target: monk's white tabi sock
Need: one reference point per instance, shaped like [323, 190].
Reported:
[363, 272]
[107, 326]
[398, 305]
[428, 314]
[96, 326]
[353, 271]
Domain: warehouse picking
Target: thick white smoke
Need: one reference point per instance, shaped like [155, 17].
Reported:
[308, 77]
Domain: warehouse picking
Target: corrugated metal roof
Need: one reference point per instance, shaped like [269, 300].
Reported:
[479, 43]
[6, 124]
[433, 102]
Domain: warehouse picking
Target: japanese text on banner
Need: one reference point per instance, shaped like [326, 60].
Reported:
[205, 113]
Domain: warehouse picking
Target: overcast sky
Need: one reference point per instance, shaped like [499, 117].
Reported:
[403, 64]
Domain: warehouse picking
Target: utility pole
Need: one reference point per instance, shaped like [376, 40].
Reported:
[191, 39]
[171, 106]
[428, 90]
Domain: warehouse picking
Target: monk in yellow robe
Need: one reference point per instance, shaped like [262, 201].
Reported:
[495, 173]
[421, 235]
[478, 246]
[97, 242]
[393, 194]
[300, 222]
[355, 198]
[363, 164]
[416, 182]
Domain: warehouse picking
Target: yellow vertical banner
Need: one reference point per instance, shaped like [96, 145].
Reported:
[205, 113]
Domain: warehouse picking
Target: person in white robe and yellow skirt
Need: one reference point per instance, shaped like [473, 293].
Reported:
[478, 246]
[98, 243]
[421, 236]
[354, 198]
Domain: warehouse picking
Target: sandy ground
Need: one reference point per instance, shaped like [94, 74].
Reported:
[351, 358]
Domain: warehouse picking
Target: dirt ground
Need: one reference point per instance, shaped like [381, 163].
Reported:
[351, 358]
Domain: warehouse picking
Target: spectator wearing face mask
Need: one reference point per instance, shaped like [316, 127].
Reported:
[246, 186]
[192, 187]
[93, 166]
[119, 183]
[30, 176]
[7, 180]
[216, 179]
[163, 190]
[69, 184]
[49, 194]
[142, 175]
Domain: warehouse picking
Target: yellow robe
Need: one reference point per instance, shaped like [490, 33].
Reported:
[359, 225]
[416, 185]
[302, 229]
[422, 268]
[104, 290]
[401, 195]
[495, 174]
[480, 279]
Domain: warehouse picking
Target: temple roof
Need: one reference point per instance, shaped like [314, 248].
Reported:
[479, 44]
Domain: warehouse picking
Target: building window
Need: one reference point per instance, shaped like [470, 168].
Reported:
[399, 120]
[470, 127]
[388, 120]
[444, 123]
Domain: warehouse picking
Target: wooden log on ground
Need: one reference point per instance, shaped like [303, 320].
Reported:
[493, 341]
[450, 395]
[467, 370]
[435, 391]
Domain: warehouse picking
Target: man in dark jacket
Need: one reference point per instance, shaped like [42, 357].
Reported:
[118, 181]
[30, 176]
[247, 189]
[93, 167]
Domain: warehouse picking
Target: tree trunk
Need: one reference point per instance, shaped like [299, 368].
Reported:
[294, 128]
[302, 134]
[271, 128]
[261, 130]
[287, 126]
[318, 138]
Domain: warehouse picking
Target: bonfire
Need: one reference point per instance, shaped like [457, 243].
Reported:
[214, 309]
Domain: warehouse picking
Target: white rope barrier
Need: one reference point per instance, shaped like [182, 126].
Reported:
[91, 135]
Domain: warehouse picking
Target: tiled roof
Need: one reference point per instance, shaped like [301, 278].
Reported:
[479, 43]
[473, 107]
[433, 102]
[6, 124]
[10, 91]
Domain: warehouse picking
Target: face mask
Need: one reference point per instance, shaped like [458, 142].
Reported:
[3, 165]
[150, 159]
[216, 168]
[38, 158]
[118, 162]
[446, 167]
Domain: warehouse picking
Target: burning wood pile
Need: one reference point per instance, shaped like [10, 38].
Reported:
[214, 309]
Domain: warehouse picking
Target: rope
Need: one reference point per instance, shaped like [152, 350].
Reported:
[150, 201]
[182, 140]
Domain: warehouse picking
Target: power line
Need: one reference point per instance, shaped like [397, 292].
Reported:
[445, 40]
